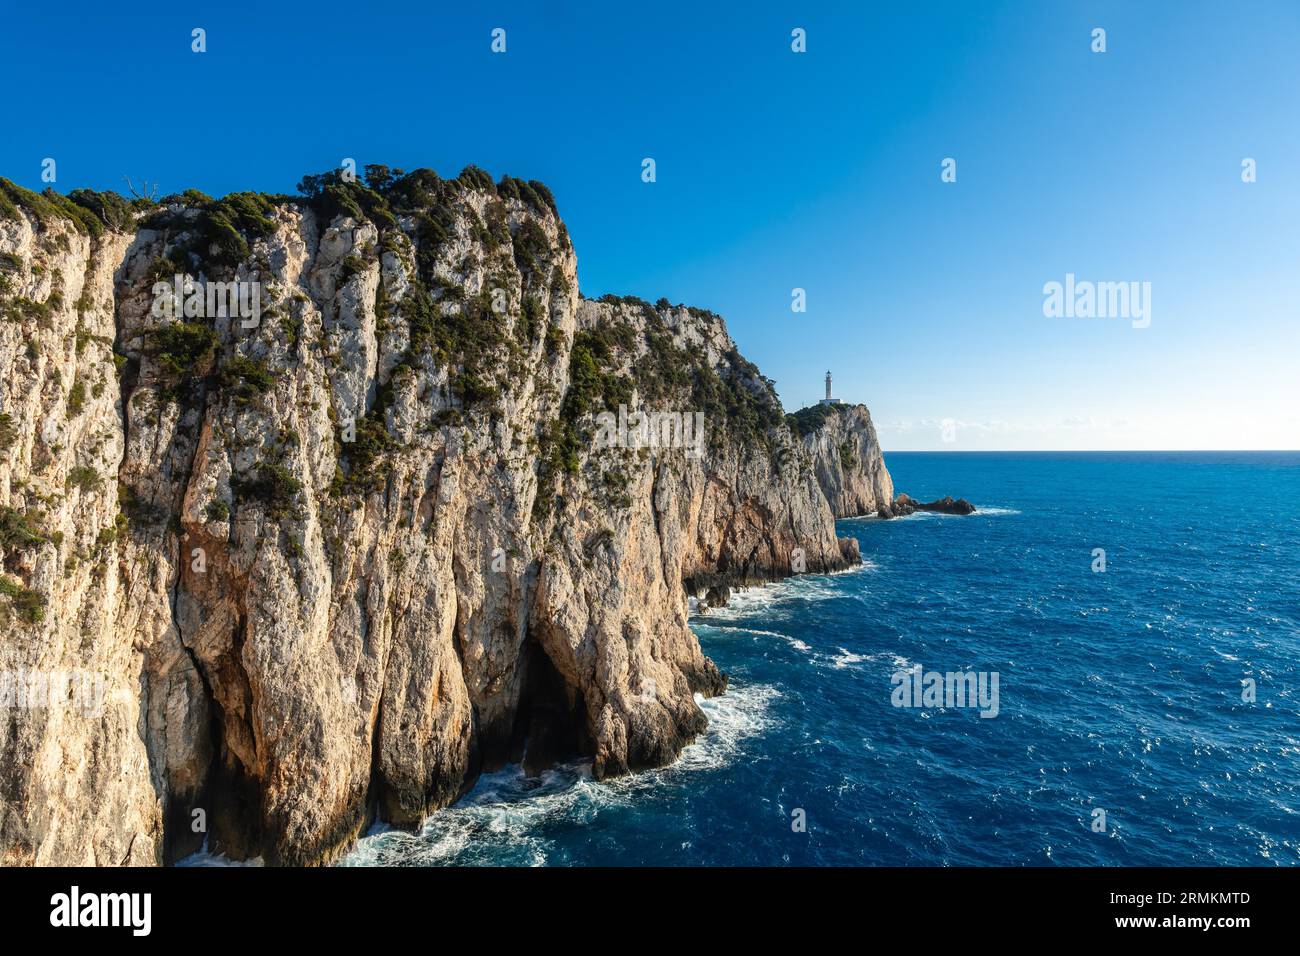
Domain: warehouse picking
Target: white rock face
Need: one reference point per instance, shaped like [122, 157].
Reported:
[334, 566]
[849, 466]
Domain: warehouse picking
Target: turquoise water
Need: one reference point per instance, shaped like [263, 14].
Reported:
[1118, 691]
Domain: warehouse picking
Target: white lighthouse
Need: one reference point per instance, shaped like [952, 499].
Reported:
[828, 400]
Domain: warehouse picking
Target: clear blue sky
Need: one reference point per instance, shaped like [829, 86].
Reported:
[778, 170]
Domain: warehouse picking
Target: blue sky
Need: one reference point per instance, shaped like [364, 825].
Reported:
[779, 170]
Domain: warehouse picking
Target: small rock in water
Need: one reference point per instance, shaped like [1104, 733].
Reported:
[906, 505]
[718, 596]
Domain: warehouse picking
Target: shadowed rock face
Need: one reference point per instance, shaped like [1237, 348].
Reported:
[334, 564]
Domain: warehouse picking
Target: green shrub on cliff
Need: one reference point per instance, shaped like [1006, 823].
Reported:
[530, 321]
[531, 249]
[544, 192]
[459, 332]
[420, 187]
[190, 197]
[108, 208]
[19, 530]
[224, 223]
[246, 378]
[737, 402]
[274, 487]
[84, 478]
[330, 195]
[140, 514]
[76, 398]
[218, 236]
[367, 460]
[110, 533]
[476, 178]
[471, 340]
[8, 208]
[183, 349]
[593, 387]
[24, 309]
[351, 267]
[380, 178]
[737, 399]
[27, 604]
[533, 194]
[89, 211]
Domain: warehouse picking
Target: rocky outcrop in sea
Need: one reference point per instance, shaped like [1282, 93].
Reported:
[905, 505]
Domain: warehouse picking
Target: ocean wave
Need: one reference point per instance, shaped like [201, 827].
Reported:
[740, 713]
[846, 658]
[762, 597]
[716, 629]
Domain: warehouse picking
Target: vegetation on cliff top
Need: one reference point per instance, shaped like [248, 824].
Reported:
[460, 332]
[738, 403]
[90, 212]
[607, 366]
[615, 363]
[811, 419]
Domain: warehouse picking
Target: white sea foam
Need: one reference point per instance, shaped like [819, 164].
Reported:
[206, 858]
[846, 658]
[744, 600]
[979, 510]
[763, 597]
[734, 717]
[718, 629]
[500, 819]
[504, 818]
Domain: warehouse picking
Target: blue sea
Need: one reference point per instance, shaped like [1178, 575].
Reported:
[1118, 690]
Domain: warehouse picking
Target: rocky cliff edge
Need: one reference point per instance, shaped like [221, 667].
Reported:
[266, 578]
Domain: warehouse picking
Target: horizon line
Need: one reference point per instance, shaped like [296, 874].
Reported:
[1088, 451]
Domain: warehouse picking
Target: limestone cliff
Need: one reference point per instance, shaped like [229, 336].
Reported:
[266, 576]
[846, 457]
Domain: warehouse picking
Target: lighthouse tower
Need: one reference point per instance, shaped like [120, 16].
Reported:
[828, 400]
